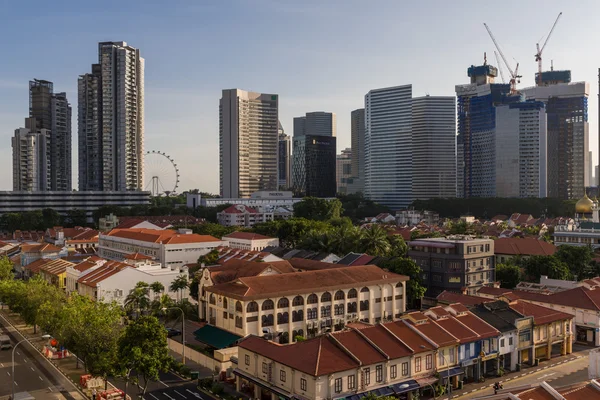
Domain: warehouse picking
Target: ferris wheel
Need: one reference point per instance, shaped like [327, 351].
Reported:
[161, 173]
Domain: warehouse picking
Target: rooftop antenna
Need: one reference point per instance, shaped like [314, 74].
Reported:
[551, 65]
[484, 58]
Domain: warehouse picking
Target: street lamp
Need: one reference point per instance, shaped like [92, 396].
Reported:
[13, 360]
[182, 329]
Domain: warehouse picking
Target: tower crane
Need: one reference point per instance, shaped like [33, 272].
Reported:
[499, 67]
[538, 55]
[514, 75]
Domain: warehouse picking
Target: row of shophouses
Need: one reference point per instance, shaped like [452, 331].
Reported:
[312, 330]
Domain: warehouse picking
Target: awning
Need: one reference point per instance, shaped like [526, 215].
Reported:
[430, 380]
[382, 391]
[280, 393]
[451, 372]
[215, 337]
[400, 388]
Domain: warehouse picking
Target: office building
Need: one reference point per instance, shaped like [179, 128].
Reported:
[433, 147]
[248, 143]
[568, 132]
[52, 112]
[31, 158]
[520, 149]
[284, 161]
[314, 158]
[357, 131]
[591, 181]
[388, 147]
[343, 170]
[111, 120]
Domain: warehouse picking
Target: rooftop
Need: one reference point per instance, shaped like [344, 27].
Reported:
[246, 236]
[167, 236]
[523, 246]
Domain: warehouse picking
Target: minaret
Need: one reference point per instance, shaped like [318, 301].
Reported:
[595, 209]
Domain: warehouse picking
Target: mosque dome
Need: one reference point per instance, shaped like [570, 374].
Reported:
[584, 206]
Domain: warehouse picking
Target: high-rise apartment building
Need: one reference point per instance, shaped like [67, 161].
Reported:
[248, 143]
[284, 163]
[31, 158]
[343, 170]
[314, 158]
[52, 112]
[568, 132]
[357, 133]
[388, 146]
[520, 148]
[433, 147]
[591, 181]
[111, 120]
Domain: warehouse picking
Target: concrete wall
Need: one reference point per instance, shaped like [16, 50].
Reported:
[221, 362]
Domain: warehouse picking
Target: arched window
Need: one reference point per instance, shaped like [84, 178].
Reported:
[352, 307]
[326, 297]
[364, 305]
[298, 301]
[252, 307]
[311, 313]
[325, 311]
[339, 309]
[238, 306]
[298, 316]
[352, 294]
[364, 290]
[225, 303]
[282, 318]
[268, 305]
[312, 299]
[211, 299]
[283, 303]
[339, 295]
[399, 284]
[267, 320]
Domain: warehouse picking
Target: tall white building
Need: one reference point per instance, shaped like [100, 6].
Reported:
[434, 147]
[343, 170]
[111, 120]
[521, 146]
[388, 149]
[248, 142]
[31, 158]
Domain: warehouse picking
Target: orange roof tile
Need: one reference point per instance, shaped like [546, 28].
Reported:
[166, 236]
[246, 236]
[523, 246]
[40, 248]
[359, 346]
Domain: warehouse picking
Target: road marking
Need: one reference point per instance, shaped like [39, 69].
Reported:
[8, 373]
[153, 396]
[546, 375]
[16, 383]
[195, 394]
[172, 398]
[49, 388]
[163, 383]
[1, 365]
[25, 360]
[32, 368]
[18, 353]
[180, 394]
[41, 379]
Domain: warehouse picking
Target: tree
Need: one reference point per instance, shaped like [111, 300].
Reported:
[157, 288]
[179, 284]
[164, 301]
[37, 292]
[194, 290]
[536, 266]
[51, 218]
[374, 241]
[291, 232]
[138, 298]
[76, 217]
[213, 229]
[318, 209]
[344, 239]
[6, 269]
[414, 286]
[398, 246]
[579, 260]
[143, 348]
[509, 275]
[210, 258]
[357, 208]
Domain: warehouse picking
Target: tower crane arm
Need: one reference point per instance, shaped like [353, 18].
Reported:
[549, 34]
[499, 67]
[512, 74]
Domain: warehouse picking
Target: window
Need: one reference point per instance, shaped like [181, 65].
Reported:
[338, 385]
[394, 371]
[510, 341]
[238, 322]
[311, 313]
[352, 294]
[312, 299]
[283, 303]
[265, 368]
[418, 364]
[367, 374]
[268, 305]
[351, 382]
[298, 301]
[282, 376]
[404, 369]
[429, 362]
[379, 373]
[451, 351]
[339, 295]
[252, 307]
[525, 336]
[247, 359]
[502, 342]
[364, 305]
[302, 384]
[238, 306]
[339, 309]
[326, 297]
[325, 311]
[441, 358]
[364, 290]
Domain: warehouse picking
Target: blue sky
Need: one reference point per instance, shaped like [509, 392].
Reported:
[317, 55]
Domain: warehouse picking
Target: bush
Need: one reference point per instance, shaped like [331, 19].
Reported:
[217, 388]
[185, 371]
[206, 383]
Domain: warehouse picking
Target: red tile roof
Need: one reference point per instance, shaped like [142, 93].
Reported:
[56, 267]
[239, 209]
[246, 236]
[493, 291]
[541, 315]
[166, 236]
[457, 329]
[101, 273]
[452, 297]
[389, 343]
[236, 268]
[359, 347]
[523, 246]
[430, 329]
[35, 266]
[40, 248]
[416, 342]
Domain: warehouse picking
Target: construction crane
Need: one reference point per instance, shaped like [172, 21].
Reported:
[538, 55]
[514, 75]
[500, 67]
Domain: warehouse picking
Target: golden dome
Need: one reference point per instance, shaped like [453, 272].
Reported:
[584, 206]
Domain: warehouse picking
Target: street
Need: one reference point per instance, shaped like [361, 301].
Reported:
[33, 373]
[169, 386]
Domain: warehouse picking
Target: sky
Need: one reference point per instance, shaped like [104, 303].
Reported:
[317, 55]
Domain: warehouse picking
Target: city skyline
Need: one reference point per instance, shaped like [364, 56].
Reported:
[175, 92]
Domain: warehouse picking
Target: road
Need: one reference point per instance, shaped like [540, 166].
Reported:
[33, 373]
[169, 387]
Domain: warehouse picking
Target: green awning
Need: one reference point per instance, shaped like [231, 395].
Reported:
[215, 337]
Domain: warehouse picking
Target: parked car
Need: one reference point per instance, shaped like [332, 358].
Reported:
[5, 342]
[171, 332]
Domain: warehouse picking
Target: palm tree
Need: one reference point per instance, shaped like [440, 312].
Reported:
[180, 283]
[137, 299]
[157, 288]
[345, 239]
[374, 241]
[163, 302]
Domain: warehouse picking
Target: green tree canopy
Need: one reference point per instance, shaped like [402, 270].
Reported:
[6, 269]
[414, 287]
[536, 266]
[579, 260]
[318, 209]
[509, 275]
[210, 258]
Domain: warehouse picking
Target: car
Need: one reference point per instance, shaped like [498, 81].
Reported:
[171, 332]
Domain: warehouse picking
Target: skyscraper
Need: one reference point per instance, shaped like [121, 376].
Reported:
[314, 158]
[284, 163]
[31, 157]
[568, 132]
[433, 147]
[111, 120]
[52, 112]
[248, 142]
[357, 133]
[388, 147]
[343, 170]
